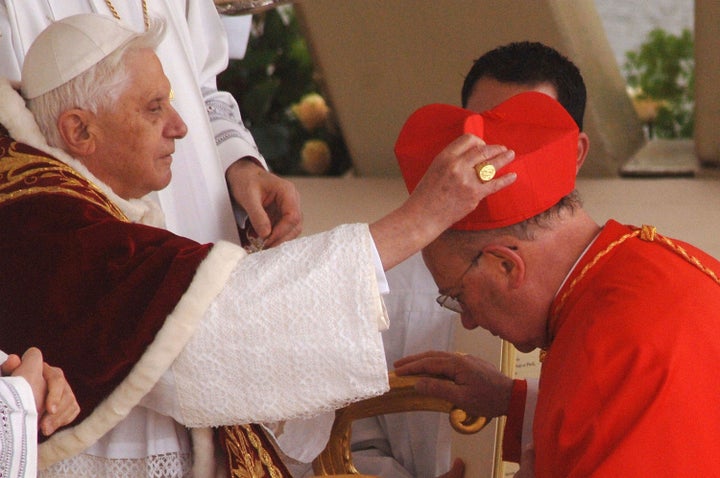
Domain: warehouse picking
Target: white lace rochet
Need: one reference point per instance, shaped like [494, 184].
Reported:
[294, 333]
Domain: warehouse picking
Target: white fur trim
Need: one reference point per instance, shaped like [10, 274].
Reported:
[179, 327]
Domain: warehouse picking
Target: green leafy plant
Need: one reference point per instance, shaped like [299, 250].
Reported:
[661, 81]
[281, 101]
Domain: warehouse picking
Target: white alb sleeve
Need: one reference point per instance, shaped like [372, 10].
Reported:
[18, 433]
[294, 333]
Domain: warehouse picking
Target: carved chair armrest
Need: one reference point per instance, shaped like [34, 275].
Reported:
[336, 458]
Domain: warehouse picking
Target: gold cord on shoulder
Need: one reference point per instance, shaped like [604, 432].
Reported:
[560, 303]
[646, 233]
[679, 250]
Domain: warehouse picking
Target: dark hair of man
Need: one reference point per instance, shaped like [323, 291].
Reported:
[531, 63]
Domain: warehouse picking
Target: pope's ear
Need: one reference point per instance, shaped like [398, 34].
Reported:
[73, 126]
[507, 263]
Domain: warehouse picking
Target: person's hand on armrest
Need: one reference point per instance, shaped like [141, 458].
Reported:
[475, 385]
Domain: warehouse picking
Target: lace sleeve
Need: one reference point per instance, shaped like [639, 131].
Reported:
[294, 333]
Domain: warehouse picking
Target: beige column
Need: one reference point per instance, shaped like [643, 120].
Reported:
[380, 60]
[707, 79]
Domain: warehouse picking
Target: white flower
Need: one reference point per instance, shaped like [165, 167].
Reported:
[634, 91]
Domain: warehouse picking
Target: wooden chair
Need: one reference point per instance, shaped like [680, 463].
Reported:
[250, 455]
[336, 458]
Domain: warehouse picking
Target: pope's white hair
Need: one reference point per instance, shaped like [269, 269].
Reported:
[96, 88]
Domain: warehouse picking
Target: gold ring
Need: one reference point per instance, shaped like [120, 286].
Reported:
[485, 172]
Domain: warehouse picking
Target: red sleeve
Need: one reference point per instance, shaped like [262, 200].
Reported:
[512, 435]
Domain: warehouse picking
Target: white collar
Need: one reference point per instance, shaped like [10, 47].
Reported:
[577, 261]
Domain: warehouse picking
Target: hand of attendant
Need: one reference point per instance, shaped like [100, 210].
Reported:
[449, 190]
[271, 202]
[54, 399]
[476, 385]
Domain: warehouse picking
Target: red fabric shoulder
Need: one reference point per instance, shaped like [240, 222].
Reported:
[90, 290]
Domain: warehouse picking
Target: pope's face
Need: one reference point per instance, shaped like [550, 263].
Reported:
[136, 138]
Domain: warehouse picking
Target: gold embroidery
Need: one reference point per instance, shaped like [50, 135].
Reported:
[241, 441]
[25, 174]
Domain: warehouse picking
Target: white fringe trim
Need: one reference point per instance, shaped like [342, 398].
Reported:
[179, 326]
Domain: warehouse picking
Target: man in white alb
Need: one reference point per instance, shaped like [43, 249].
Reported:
[219, 151]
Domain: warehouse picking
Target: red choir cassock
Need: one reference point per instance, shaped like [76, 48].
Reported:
[629, 386]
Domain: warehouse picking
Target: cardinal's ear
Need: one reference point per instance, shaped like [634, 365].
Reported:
[506, 263]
